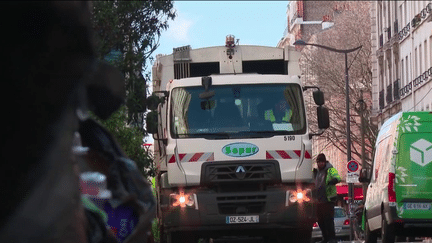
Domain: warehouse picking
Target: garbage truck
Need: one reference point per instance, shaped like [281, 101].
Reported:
[233, 144]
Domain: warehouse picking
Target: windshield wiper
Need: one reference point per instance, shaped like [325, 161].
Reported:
[217, 135]
[227, 135]
[220, 135]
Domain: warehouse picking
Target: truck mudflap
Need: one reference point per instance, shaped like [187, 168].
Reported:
[241, 212]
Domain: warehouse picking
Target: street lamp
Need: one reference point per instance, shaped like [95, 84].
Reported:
[348, 129]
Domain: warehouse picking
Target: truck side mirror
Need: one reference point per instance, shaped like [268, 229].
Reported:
[365, 175]
[323, 117]
[318, 97]
[151, 122]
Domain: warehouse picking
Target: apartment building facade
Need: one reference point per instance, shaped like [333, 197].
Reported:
[401, 33]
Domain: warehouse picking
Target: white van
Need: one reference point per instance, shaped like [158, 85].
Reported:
[399, 195]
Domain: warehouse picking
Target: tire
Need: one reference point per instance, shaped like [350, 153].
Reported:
[387, 231]
[370, 236]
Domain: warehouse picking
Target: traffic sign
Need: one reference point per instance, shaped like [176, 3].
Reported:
[352, 166]
[352, 177]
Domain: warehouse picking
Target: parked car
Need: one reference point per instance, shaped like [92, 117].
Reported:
[341, 222]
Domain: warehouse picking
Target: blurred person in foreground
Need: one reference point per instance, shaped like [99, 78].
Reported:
[50, 78]
[325, 185]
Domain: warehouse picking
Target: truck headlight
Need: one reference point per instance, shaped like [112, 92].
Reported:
[299, 196]
[183, 200]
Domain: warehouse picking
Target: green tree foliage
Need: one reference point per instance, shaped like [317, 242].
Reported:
[128, 33]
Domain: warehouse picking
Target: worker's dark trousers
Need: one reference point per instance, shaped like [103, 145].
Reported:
[325, 215]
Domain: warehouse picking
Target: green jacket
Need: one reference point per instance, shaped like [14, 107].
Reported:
[325, 183]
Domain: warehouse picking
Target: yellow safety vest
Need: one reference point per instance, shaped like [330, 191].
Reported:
[269, 116]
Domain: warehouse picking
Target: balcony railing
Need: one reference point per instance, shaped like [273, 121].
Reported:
[389, 94]
[417, 82]
[423, 77]
[405, 31]
[425, 12]
[405, 90]
[396, 90]
[381, 99]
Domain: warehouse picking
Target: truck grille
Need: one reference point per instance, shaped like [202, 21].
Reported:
[250, 171]
[241, 204]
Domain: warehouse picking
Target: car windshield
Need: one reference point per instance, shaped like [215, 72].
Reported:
[248, 110]
[339, 213]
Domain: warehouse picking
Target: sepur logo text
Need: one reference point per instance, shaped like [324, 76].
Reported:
[240, 149]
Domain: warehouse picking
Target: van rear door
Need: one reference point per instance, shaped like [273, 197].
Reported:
[413, 166]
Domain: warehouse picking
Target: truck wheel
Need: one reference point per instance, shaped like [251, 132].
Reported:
[370, 236]
[387, 231]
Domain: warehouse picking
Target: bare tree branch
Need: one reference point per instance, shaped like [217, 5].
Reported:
[326, 69]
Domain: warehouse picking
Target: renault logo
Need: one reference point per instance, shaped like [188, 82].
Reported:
[240, 172]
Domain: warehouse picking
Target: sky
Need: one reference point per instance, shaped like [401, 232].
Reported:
[207, 23]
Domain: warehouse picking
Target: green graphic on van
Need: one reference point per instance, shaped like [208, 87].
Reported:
[411, 122]
[240, 149]
[421, 152]
[401, 174]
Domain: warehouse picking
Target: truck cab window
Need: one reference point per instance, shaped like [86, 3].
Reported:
[248, 109]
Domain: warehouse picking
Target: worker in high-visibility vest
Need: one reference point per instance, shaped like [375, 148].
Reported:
[281, 113]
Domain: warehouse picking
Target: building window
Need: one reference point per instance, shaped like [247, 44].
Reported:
[426, 66]
[381, 83]
[379, 18]
[420, 60]
[430, 51]
[407, 76]
[402, 74]
[415, 63]
[401, 15]
[390, 73]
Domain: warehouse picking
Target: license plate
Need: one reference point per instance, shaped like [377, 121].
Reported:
[338, 229]
[417, 206]
[242, 219]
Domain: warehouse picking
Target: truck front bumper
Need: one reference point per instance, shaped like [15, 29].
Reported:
[272, 208]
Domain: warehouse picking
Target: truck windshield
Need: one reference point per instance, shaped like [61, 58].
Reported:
[248, 110]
